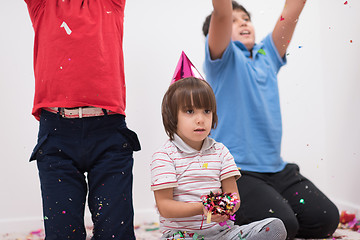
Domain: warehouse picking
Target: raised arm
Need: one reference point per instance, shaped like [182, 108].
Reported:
[286, 24]
[170, 208]
[220, 27]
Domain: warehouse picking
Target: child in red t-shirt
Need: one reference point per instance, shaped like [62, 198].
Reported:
[80, 103]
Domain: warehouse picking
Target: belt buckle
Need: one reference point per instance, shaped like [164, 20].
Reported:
[61, 112]
[80, 112]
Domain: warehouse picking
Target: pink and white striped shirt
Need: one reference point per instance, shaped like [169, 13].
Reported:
[191, 174]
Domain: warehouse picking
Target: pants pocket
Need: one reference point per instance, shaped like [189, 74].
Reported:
[131, 137]
[37, 150]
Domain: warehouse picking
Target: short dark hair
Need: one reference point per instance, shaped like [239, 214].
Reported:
[235, 6]
[186, 93]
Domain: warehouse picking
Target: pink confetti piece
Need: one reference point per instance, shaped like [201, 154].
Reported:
[37, 232]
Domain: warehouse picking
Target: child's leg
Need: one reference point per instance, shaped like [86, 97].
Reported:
[318, 217]
[267, 229]
[63, 186]
[110, 180]
[259, 200]
[110, 198]
[63, 191]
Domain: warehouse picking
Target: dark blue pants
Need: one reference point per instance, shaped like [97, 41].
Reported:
[289, 196]
[86, 156]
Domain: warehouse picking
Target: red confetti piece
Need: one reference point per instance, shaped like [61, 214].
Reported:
[267, 229]
[346, 217]
[281, 18]
[345, 3]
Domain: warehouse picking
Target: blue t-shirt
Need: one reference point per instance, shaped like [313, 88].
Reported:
[247, 96]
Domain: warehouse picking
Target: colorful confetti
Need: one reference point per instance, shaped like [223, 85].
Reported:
[219, 203]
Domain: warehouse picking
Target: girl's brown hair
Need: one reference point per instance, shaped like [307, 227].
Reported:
[186, 94]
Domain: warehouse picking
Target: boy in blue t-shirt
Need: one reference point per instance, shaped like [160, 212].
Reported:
[243, 76]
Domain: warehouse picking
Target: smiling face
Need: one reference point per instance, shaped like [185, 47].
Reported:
[243, 29]
[194, 125]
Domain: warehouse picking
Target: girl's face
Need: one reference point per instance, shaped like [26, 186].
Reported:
[243, 29]
[194, 126]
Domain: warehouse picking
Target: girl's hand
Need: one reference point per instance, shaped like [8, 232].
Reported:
[215, 217]
[219, 218]
[237, 206]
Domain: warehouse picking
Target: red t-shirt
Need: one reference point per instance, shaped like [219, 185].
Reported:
[78, 55]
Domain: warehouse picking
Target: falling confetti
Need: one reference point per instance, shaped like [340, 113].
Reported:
[66, 27]
[302, 201]
[281, 18]
[346, 2]
[262, 51]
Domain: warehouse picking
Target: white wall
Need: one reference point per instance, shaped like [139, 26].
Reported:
[319, 95]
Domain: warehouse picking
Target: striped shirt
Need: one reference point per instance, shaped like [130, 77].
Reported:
[191, 174]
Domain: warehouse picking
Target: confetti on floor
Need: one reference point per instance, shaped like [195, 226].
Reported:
[150, 231]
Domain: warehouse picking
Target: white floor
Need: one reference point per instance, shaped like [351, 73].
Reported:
[343, 234]
[151, 232]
